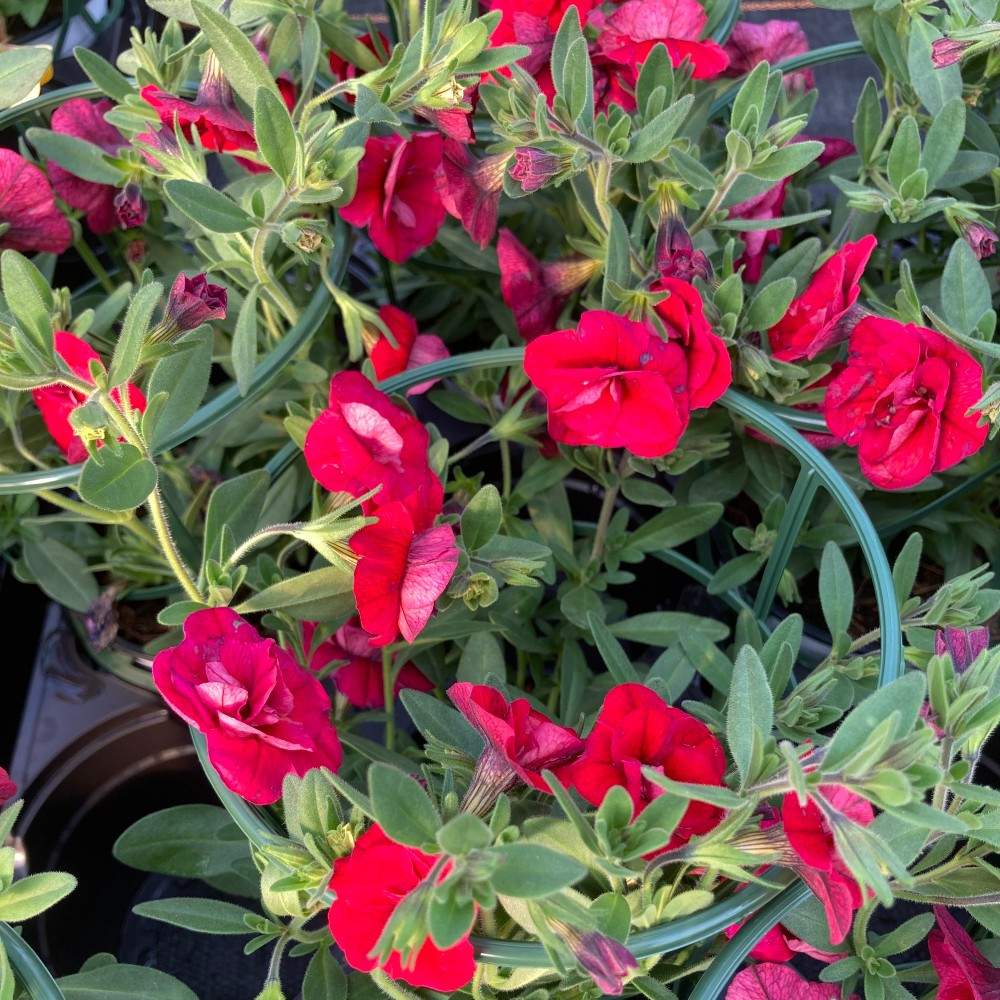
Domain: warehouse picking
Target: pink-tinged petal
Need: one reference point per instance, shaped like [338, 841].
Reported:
[431, 562]
[28, 207]
[772, 42]
[838, 895]
[964, 973]
[778, 982]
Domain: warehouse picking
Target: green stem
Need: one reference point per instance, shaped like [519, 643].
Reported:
[96, 269]
[159, 517]
[712, 207]
[505, 466]
[390, 708]
[603, 520]
[390, 987]
[277, 293]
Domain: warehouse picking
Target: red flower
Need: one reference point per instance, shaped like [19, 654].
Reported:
[370, 883]
[364, 440]
[359, 680]
[902, 400]
[537, 292]
[551, 12]
[396, 196]
[778, 982]
[404, 567]
[611, 383]
[818, 863]
[636, 728]
[772, 42]
[519, 26]
[263, 715]
[676, 256]
[520, 744]
[470, 189]
[193, 301]
[413, 349]
[709, 370]
[85, 120]
[820, 316]
[7, 788]
[964, 972]
[57, 402]
[757, 241]
[29, 209]
[629, 34]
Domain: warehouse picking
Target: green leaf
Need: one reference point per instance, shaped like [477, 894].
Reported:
[736, 572]
[531, 871]
[206, 916]
[325, 979]
[117, 482]
[906, 566]
[463, 833]
[617, 261]
[61, 572]
[442, 723]
[836, 590]
[244, 347]
[904, 696]
[770, 304]
[716, 795]
[369, 108]
[244, 68]
[749, 713]
[481, 518]
[661, 628]
[318, 595]
[123, 982]
[21, 69]
[965, 292]
[482, 656]
[673, 527]
[211, 209]
[867, 121]
[786, 161]
[33, 894]
[935, 85]
[904, 156]
[134, 327]
[618, 664]
[652, 140]
[782, 222]
[29, 299]
[192, 841]
[275, 133]
[449, 918]
[235, 504]
[402, 808]
[103, 74]
[81, 158]
[183, 376]
[943, 140]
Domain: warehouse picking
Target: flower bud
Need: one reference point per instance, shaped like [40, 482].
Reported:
[963, 645]
[980, 237]
[480, 592]
[675, 253]
[947, 51]
[131, 206]
[533, 168]
[192, 301]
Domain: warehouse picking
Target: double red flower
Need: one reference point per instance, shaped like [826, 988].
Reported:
[616, 383]
[412, 349]
[902, 400]
[263, 715]
[57, 402]
[636, 728]
[369, 884]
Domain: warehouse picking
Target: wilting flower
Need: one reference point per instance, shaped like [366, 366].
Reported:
[629, 34]
[963, 645]
[520, 744]
[28, 208]
[263, 715]
[397, 196]
[536, 291]
[607, 961]
[412, 349]
[676, 256]
[369, 884]
[364, 440]
[404, 566]
[816, 859]
[948, 51]
[470, 189]
[963, 971]
[768, 981]
[636, 728]
[193, 301]
[534, 168]
[84, 119]
[612, 383]
[772, 42]
[130, 207]
[902, 400]
[709, 370]
[7, 788]
[980, 237]
[821, 316]
[57, 402]
[359, 679]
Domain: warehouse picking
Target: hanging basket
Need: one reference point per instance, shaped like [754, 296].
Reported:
[764, 906]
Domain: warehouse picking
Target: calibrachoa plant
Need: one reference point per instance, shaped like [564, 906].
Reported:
[426, 380]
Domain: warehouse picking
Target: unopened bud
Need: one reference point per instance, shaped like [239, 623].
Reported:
[192, 301]
[481, 591]
[533, 168]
